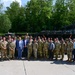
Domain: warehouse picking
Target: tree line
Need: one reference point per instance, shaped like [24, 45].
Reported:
[37, 15]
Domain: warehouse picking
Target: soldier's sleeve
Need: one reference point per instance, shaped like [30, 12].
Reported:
[2, 45]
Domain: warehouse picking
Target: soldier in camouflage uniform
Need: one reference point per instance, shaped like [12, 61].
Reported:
[0, 46]
[12, 47]
[42, 40]
[69, 47]
[40, 46]
[45, 49]
[35, 48]
[8, 50]
[57, 48]
[29, 48]
[62, 50]
[4, 48]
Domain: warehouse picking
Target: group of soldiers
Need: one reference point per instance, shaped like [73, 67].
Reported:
[7, 47]
[38, 48]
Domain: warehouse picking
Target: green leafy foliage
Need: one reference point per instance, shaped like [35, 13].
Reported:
[5, 23]
[40, 15]
[31, 18]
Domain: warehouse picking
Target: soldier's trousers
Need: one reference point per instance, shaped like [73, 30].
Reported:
[35, 53]
[56, 54]
[69, 54]
[4, 54]
[29, 53]
[39, 53]
[62, 54]
[12, 52]
[1, 53]
[45, 53]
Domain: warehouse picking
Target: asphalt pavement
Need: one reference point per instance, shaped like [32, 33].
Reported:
[37, 67]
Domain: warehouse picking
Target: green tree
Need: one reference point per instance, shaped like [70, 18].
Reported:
[5, 23]
[34, 17]
[38, 13]
[1, 5]
[71, 8]
[60, 15]
[14, 13]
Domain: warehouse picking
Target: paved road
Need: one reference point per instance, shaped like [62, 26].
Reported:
[24, 67]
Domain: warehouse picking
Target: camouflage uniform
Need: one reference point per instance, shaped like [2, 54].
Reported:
[40, 49]
[69, 50]
[45, 49]
[8, 50]
[12, 49]
[62, 50]
[57, 49]
[29, 49]
[35, 47]
[4, 49]
[0, 49]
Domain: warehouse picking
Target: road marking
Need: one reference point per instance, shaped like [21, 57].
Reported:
[24, 68]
